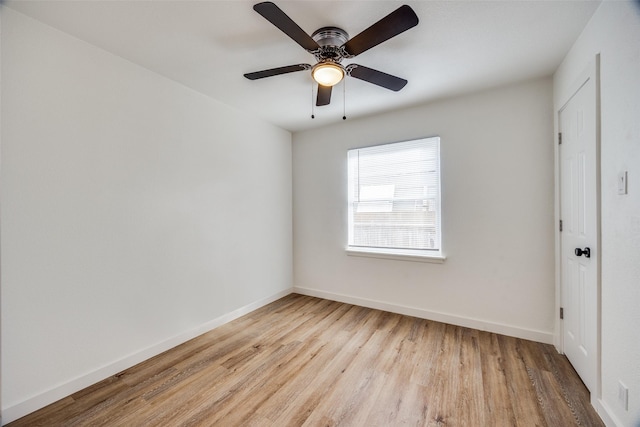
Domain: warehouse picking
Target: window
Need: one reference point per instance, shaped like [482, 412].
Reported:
[394, 199]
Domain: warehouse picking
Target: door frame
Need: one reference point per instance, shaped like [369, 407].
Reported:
[592, 71]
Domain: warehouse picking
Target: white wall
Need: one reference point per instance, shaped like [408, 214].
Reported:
[136, 213]
[614, 32]
[497, 185]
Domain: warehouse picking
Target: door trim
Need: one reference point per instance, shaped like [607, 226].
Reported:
[592, 71]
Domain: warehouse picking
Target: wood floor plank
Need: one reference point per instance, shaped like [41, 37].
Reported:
[396, 389]
[307, 402]
[522, 394]
[573, 391]
[471, 395]
[425, 369]
[307, 367]
[355, 391]
[497, 403]
[308, 361]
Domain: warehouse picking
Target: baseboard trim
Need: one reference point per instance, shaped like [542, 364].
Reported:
[607, 416]
[498, 328]
[41, 400]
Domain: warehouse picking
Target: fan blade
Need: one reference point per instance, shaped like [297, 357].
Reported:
[324, 95]
[277, 17]
[376, 77]
[277, 71]
[390, 26]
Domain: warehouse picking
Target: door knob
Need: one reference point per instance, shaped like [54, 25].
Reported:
[586, 252]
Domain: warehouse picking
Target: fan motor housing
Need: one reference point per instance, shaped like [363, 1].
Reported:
[330, 36]
[330, 40]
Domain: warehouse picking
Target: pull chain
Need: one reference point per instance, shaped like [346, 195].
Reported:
[313, 116]
[344, 99]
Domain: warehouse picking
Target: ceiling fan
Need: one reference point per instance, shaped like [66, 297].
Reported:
[330, 45]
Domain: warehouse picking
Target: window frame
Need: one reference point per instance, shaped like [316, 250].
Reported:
[420, 255]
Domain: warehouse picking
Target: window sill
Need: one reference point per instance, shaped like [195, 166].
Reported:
[399, 255]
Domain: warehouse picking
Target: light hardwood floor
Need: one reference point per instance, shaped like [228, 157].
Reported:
[309, 361]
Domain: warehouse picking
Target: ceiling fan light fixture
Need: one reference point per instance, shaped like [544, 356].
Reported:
[327, 73]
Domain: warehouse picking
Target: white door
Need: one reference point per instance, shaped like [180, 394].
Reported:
[579, 236]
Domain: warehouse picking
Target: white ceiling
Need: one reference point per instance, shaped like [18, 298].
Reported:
[458, 46]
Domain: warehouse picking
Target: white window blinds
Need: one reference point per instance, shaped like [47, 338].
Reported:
[394, 196]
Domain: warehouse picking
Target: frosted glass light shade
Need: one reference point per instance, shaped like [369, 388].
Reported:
[327, 73]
